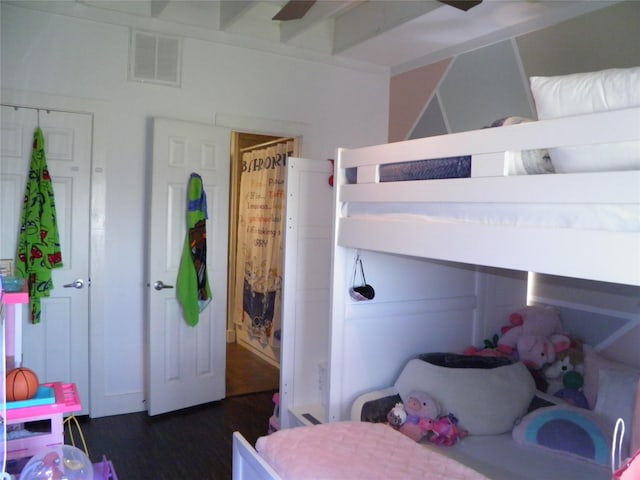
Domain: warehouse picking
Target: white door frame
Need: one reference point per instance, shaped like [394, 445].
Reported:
[267, 126]
[98, 109]
[271, 127]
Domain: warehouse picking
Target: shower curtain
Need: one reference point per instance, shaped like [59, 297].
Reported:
[257, 299]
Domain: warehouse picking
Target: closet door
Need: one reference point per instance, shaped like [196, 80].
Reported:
[306, 280]
[57, 348]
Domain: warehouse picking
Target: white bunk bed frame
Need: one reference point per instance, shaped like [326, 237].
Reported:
[592, 254]
[559, 251]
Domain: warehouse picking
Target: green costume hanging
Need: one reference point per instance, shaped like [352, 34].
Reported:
[192, 285]
[38, 242]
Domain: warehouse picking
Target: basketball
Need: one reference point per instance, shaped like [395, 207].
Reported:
[22, 384]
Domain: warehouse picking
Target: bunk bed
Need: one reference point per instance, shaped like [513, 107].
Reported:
[581, 221]
[549, 223]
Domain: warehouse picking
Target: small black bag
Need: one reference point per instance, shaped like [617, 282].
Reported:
[364, 291]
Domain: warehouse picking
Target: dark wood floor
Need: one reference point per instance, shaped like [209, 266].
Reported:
[191, 444]
[194, 443]
[248, 373]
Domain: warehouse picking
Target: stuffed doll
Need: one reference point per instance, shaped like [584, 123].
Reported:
[565, 376]
[569, 360]
[421, 410]
[535, 335]
[490, 349]
[571, 392]
[445, 431]
[397, 416]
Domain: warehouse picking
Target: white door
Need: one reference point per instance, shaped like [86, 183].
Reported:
[57, 348]
[186, 364]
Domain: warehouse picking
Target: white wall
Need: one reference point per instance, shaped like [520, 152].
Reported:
[50, 56]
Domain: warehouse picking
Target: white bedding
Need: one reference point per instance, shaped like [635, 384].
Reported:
[500, 458]
[616, 218]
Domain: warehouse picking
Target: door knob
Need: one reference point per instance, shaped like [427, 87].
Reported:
[159, 285]
[77, 284]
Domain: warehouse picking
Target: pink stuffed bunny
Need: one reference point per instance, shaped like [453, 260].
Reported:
[536, 334]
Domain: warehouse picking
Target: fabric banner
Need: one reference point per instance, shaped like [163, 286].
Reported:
[38, 249]
[257, 298]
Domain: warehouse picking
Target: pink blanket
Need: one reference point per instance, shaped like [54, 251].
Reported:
[356, 450]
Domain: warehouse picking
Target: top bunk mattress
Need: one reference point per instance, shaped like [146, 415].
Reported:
[527, 162]
[432, 169]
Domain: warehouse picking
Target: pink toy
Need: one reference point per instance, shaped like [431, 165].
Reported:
[274, 420]
[445, 431]
[485, 352]
[490, 349]
[421, 409]
[536, 334]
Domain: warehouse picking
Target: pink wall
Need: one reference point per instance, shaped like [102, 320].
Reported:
[410, 92]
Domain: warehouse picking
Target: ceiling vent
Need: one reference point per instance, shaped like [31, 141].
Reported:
[155, 58]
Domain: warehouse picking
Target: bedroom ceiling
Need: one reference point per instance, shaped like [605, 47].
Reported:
[394, 34]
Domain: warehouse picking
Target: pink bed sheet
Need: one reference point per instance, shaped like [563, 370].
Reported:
[354, 450]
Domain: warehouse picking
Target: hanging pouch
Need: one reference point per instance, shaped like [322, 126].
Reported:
[363, 291]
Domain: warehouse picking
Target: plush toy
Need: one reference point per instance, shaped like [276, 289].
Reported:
[569, 360]
[490, 349]
[535, 334]
[421, 410]
[565, 376]
[485, 352]
[397, 415]
[572, 390]
[445, 431]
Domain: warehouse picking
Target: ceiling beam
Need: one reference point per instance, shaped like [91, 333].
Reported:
[157, 6]
[370, 19]
[132, 8]
[462, 4]
[232, 10]
[321, 11]
[293, 10]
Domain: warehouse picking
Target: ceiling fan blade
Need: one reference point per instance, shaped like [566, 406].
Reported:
[461, 4]
[294, 10]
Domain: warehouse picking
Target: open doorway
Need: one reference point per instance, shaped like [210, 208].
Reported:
[258, 166]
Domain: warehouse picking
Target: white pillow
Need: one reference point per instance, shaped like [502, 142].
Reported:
[616, 399]
[580, 93]
[485, 401]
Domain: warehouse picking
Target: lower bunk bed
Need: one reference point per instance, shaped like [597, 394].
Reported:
[511, 431]
[361, 450]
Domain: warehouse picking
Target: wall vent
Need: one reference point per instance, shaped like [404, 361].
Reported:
[155, 58]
